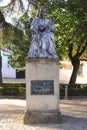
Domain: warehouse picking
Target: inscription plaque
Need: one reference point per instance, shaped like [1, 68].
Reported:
[42, 87]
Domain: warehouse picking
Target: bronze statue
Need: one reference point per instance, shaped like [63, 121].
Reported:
[42, 43]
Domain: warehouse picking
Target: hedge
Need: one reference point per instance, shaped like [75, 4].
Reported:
[14, 84]
[77, 91]
[19, 89]
[72, 92]
[76, 85]
[13, 89]
[1, 91]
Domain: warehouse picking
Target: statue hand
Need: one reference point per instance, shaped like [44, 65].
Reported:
[41, 28]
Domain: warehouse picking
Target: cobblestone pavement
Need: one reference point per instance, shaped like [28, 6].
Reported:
[74, 114]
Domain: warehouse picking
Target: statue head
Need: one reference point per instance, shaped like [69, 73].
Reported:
[42, 12]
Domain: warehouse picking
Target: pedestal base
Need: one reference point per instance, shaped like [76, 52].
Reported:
[42, 91]
[34, 117]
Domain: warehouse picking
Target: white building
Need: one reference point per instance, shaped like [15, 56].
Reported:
[66, 71]
[7, 71]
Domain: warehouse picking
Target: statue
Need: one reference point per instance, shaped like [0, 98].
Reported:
[42, 43]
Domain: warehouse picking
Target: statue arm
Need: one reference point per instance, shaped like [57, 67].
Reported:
[34, 27]
[52, 28]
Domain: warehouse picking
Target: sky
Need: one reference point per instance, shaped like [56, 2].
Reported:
[4, 3]
[9, 16]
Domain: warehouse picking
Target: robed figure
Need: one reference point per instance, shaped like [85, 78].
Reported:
[42, 43]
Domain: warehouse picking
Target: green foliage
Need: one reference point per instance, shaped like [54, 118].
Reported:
[1, 38]
[77, 91]
[19, 89]
[13, 89]
[80, 90]
[70, 18]
[62, 92]
[78, 11]
[1, 90]
[10, 91]
[15, 43]
[14, 84]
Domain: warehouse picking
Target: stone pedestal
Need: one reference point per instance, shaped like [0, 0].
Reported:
[42, 91]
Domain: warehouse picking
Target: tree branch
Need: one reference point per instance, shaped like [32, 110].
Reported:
[79, 46]
[70, 47]
[2, 19]
[12, 1]
[83, 49]
[33, 3]
[70, 51]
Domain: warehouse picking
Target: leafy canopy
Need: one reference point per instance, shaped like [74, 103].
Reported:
[70, 18]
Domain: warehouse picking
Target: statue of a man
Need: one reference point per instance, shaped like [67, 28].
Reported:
[42, 43]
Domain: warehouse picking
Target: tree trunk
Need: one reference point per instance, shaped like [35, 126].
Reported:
[75, 63]
[2, 21]
[0, 69]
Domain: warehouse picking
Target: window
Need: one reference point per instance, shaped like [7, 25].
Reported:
[20, 74]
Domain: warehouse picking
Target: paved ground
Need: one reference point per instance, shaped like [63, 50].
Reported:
[74, 113]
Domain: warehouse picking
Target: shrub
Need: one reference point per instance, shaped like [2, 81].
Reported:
[1, 90]
[13, 89]
[62, 92]
[77, 91]
[22, 91]
[14, 84]
[19, 89]
[10, 91]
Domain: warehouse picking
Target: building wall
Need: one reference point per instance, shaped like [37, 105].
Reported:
[83, 78]
[7, 71]
[66, 71]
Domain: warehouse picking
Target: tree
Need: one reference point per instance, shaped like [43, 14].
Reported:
[16, 43]
[71, 34]
[2, 21]
[78, 42]
[7, 27]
